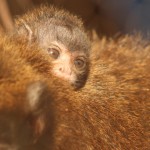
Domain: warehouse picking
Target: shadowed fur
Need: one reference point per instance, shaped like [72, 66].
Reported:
[24, 102]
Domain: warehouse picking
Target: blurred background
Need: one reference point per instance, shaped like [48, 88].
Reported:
[106, 17]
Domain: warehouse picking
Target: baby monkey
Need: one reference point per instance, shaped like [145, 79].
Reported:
[63, 38]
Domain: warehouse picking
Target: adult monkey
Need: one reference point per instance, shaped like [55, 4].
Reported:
[25, 100]
[112, 110]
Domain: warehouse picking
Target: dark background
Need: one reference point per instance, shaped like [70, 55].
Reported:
[106, 17]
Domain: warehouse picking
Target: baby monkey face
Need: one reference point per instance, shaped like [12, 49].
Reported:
[69, 65]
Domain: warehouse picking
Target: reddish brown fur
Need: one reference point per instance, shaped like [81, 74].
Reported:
[22, 121]
[112, 110]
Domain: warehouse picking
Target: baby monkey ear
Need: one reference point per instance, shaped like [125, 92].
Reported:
[39, 106]
[27, 31]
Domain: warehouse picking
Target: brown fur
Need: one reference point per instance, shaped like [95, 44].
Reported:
[24, 102]
[112, 111]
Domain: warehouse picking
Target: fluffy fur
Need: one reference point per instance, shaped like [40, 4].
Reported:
[25, 100]
[112, 110]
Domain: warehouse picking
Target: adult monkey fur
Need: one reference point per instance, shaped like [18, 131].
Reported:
[63, 38]
[112, 110]
[25, 101]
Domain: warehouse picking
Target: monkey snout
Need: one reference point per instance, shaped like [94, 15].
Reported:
[65, 71]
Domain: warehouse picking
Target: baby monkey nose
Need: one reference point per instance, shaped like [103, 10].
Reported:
[61, 69]
[65, 70]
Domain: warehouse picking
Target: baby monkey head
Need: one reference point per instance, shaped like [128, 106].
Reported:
[72, 66]
[61, 35]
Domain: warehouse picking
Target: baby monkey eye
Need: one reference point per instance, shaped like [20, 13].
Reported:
[53, 52]
[79, 63]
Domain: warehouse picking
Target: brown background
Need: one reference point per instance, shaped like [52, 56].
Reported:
[107, 17]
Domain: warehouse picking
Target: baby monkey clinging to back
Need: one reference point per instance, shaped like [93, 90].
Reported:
[63, 38]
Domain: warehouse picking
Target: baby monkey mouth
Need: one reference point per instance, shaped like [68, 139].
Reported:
[74, 80]
[77, 84]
